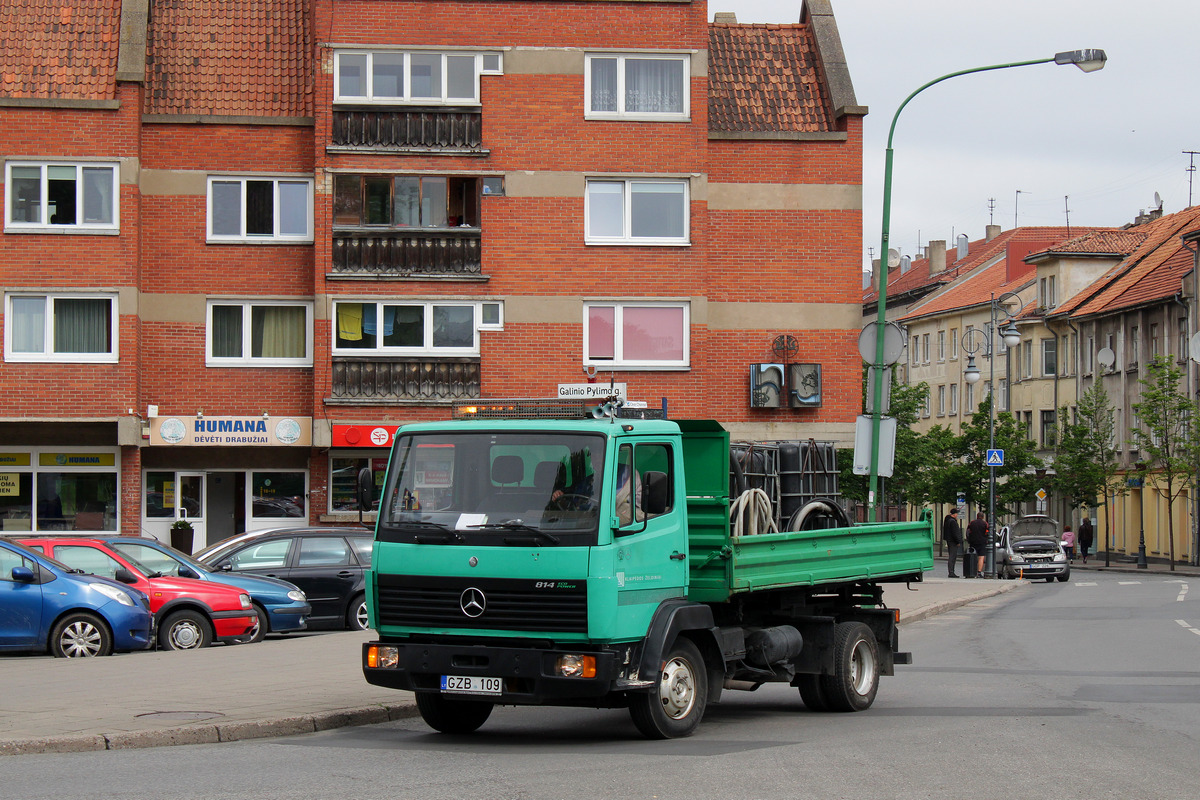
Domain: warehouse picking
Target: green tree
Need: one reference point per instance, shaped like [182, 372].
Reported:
[1016, 481]
[1087, 465]
[1164, 415]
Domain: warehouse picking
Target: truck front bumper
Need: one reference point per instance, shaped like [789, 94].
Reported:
[528, 676]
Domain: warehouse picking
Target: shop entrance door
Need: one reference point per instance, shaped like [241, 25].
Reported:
[189, 505]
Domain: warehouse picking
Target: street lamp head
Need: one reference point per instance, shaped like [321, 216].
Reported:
[1010, 334]
[1087, 60]
[972, 372]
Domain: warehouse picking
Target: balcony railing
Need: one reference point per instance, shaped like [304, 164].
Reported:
[420, 129]
[445, 252]
[383, 379]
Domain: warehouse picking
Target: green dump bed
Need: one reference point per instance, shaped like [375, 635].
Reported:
[722, 565]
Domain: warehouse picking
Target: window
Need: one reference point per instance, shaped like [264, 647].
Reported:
[414, 78]
[941, 401]
[260, 209]
[1182, 347]
[636, 211]
[1050, 356]
[1049, 428]
[1048, 291]
[324, 551]
[1002, 396]
[637, 86]
[969, 397]
[633, 464]
[343, 480]
[406, 327]
[1154, 351]
[925, 348]
[953, 399]
[1064, 363]
[71, 328]
[278, 495]
[1089, 355]
[262, 333]
[636, 335]
[1027, 359]
[941, 346]
[1111, 344]
[406, 201]
[925, 407]
[62, 197]
[953, 344]
[1134, 345]
[45, 490]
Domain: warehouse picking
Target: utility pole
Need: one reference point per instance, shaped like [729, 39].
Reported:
[1067, 210]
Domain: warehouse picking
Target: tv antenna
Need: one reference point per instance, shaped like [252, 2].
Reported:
[1191, 170]
[1016, 205]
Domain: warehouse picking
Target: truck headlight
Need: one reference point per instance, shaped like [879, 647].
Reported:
[571, 666]
[297, 595]
[383, 657]
[113, 593]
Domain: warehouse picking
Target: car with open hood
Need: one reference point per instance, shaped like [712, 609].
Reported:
[1032, 548]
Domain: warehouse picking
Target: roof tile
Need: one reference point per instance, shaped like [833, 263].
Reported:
[49, 50]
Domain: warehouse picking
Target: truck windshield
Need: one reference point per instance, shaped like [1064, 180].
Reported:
[499, 488]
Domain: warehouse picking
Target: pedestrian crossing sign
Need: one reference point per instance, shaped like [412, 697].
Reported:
[995, 458]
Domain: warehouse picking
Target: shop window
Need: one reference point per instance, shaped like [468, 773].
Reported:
[654, 335]
[249, 210]
[278, 495]
[61, 197]
[343, 481]
[60, 327]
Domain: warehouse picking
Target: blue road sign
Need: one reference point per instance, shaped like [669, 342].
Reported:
[995, 458]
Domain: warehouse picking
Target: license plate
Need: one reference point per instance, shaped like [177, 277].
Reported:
[470, 684]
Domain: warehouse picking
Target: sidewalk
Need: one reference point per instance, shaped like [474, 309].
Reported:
[279, 687]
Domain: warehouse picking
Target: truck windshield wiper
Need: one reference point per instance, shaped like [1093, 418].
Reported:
[427, 525]
[518, 525]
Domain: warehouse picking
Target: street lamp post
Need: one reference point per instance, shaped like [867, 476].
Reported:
[1012, 338]
[1086, 60]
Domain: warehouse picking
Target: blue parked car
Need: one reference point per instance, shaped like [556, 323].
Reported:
[282, 607]
[46, 605]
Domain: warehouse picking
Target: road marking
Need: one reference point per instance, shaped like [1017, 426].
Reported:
[1182, 593]
[1183, 622]
[1086, 583]
[1187, 627]
[1128, 583]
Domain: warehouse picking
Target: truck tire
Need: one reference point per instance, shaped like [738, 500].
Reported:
[675, 706]
[452, 716]
[855, 681]
[812, 693]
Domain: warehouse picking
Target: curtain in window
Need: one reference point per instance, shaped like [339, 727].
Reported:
[453, 326]
[653, 85]
[293, 208]
[25, 194]
[227, 331]
[657, 210]
[604, 84]
[601, 322]
[98, 195]
[277, 332]
[407, 208]
[27, 327]
[606, 215]
[652, 334]
[226, 208]
[387, 75]
[351, 70]
[82, 325]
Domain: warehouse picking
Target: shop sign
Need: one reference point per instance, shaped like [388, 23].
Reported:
[231, 431]
[77, 460]
[363, 435]
[9, 483]
[591, 391]
[14, 459]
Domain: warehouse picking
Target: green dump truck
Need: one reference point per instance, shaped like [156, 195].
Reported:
[593, 562]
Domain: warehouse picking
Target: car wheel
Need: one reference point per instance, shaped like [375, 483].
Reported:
[674, 707]
[1050, 579]
[1066, 576]
[356, 615]
[452, 716]
[80, 635]
[855, 681]
[261, 626]
[184, 630]
[811, 692]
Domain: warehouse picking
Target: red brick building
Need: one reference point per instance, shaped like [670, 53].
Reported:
[243, 243]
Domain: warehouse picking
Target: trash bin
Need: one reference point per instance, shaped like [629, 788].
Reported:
[969, 560]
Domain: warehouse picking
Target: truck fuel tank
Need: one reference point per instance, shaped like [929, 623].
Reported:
[767, 646]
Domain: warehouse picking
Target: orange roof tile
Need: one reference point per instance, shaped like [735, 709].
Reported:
[230, 59]
[51, 49]
[765, 78]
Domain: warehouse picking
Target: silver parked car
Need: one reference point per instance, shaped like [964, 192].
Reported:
[1031, 548]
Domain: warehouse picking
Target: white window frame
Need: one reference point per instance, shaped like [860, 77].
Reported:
[247, 360]
[954, 399]
[48, 354]
[45, 225]
[618, 360]
[626, 237]
[498, 325]
[1049, 343]
[941, 400]
[276, 237]
[685, 61]
[482, 67]
[941, 346]
[426, 349]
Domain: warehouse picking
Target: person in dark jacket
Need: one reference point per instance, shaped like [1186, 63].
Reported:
[952, 535]
[977, 537]
[1086, 533]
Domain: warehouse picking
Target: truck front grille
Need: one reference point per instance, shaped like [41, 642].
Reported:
[508, 604]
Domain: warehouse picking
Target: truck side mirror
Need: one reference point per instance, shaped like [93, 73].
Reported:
[656, 493]
[366, 488]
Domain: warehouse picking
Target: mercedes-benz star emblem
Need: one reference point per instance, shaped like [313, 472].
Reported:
[472, 602]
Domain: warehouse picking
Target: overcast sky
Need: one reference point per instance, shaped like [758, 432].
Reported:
[1105, 141]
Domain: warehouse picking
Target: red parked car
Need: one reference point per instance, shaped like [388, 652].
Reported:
[189, 613]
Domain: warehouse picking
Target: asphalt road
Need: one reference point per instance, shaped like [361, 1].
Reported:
[1086, 689]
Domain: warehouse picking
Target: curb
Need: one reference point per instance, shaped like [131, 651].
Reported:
[950, 605]
[211, 734]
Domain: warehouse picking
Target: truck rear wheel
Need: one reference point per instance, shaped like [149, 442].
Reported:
[855, 681]
[675, 706]
[452, 716]
[811, 692]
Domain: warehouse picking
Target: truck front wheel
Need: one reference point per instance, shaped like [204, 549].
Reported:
[855, 681]
[452, 716]
[674, 708]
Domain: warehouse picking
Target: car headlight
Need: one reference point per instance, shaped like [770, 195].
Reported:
[297, 595]
[113, 593]
[245, 598]
[1060, 556]
[1017, 558]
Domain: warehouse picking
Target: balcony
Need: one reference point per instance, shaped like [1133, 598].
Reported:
[440, 253]
[408, 130]
[371, 380]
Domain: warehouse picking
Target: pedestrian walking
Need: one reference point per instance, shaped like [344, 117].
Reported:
[952, 535]
[977, 537]
[1085, 537]
[1068, 541]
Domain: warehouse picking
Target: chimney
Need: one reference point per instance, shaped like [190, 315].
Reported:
[937, 256]
[868, 280]
[725, 18]
[991, 232]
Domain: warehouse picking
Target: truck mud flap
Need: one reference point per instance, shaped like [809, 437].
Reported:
[673, 618]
